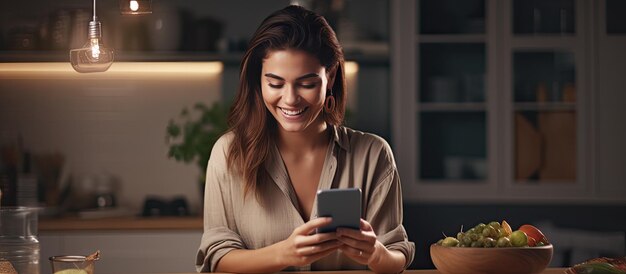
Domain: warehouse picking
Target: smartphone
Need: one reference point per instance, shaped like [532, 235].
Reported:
[343, 205]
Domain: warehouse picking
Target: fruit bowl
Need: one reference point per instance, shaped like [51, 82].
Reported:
[506, 260]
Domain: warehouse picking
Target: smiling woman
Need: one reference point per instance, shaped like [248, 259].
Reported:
[286, 141]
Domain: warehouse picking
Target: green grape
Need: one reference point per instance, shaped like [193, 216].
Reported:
[489, 242]
[475, 244]
[489, 231]
[440, 241]
[474, 237]
[519, 238]
[481, 241]
[504, 242]
[450, 241]
[460, 235]
[495, 224]
[467, 240]
[479, 228]
[471, 230]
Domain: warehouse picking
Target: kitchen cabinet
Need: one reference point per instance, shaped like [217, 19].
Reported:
[498, 100]
[609, 110]
[125, 251]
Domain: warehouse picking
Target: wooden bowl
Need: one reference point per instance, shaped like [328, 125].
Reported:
[507, 260]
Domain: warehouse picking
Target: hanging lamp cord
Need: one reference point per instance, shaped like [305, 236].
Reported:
[94, 10]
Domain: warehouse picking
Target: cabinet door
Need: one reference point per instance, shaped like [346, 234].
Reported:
[126, 252]
[546, 87]
[453, 116]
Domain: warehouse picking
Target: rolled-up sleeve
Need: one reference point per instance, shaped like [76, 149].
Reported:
[219, 235]
[385, 211]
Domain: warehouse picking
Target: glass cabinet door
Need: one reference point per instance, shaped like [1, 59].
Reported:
[451, 108]
[615, 22]
[451, 16]
[546, 17]
[544, 93]
[544, 89]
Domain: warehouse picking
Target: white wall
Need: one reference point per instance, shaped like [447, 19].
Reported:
[112, 122]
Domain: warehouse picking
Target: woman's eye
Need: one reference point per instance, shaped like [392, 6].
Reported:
[275, 86]
[308, 86]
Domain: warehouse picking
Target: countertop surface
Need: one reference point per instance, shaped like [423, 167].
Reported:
[427, 271]
[121, 223]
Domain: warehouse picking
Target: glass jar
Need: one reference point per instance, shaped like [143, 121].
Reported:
[18, 238]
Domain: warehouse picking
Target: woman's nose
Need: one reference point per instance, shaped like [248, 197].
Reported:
[291, 95]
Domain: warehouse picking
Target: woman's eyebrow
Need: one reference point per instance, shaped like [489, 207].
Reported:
[309, 75]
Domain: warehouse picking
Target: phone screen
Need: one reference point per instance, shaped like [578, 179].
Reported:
[343, 205]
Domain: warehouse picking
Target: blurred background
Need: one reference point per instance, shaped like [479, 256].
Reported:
[495, 109]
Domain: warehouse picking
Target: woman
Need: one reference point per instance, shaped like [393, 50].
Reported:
[285, 142]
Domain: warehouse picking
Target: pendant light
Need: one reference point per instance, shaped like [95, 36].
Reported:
[136, 6]
[93, 56]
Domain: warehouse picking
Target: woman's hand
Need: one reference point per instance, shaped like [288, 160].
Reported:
[303, 247]
[360, 245]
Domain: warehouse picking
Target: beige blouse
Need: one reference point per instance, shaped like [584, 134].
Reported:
[354, 160]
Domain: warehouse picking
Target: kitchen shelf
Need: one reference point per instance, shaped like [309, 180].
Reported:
[447, 107]
[169, 56]
[463, 182]
[532, 106]
[544, 41]
[451, 38]
[531, 183]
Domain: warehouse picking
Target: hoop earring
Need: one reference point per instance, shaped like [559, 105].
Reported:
[329, 105]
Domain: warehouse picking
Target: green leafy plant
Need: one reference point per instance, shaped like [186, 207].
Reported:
[192, 136]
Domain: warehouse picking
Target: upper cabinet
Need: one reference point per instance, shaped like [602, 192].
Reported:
[546, 98]
[614, 23]
[177, 30]
[451, 63]
[502, 92]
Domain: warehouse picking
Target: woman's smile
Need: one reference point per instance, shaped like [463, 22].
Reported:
[293, 114]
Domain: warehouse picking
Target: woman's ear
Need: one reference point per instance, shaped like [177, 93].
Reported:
[331, 76]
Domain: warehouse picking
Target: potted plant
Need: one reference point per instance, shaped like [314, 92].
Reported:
[192, 136]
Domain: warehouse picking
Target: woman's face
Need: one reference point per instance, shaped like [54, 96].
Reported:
[293, 84]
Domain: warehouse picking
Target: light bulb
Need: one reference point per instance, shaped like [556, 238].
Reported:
[134, 5]
[93, 56]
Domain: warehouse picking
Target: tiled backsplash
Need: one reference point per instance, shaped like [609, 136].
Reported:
[114, 125]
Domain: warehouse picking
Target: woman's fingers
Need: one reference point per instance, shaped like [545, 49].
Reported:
[355, 252]
[358, 235]
[320, 248]
[357, 245]
[315, 239]
[322, 254]
[311, 225]
[365, 226]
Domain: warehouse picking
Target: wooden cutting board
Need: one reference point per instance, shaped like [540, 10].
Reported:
[528, 142]
[559, 131]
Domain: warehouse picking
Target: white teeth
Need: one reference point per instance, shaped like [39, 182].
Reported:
[292, 112]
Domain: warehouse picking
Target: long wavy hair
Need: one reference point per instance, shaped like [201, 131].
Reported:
[253, 125]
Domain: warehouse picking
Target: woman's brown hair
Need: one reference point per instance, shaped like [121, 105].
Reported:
[253, 126]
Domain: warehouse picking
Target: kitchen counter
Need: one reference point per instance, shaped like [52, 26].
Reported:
[427, 271]
[121, 223]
